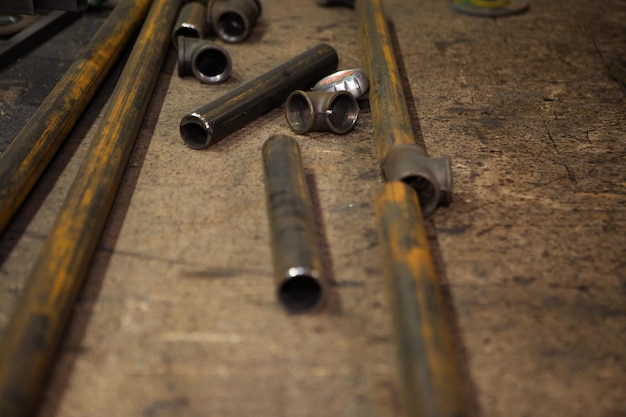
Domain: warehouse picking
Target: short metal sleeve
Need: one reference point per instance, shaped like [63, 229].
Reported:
[296, 259]
[240, 106]
[428, 365]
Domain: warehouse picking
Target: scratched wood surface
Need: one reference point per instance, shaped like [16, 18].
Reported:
[178, 316]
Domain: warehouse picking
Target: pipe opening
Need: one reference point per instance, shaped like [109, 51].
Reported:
[211, 65]
[186, 32]
[232, 25]
[344, 110]
[299, 113]
[300, 293]
[427, 193]
[194, 135]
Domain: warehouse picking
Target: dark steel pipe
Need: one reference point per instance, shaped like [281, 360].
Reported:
[28, 155]
[296, 259]
[190, 23]
[233, 20]
[321, 111]
[30, 339]
[401, 159]
[240, 106]
[428, 363]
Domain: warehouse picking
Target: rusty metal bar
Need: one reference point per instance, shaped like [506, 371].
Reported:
[428, 364]
[295, 253]
[29, 342]
[400, 158]
[28, 155]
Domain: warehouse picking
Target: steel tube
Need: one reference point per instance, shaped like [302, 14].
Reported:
[240, 106]
[296, 259]
[428, 364]
[190, 23]
[33, 333]
[25, 159]
[321, 111]
[398, 154]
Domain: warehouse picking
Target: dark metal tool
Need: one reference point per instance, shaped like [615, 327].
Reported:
[240, 106]
[30, 152]
[428, 364]
[30, 339]
[321, 111]
[295, 253]
[399, 156]
[33, 35]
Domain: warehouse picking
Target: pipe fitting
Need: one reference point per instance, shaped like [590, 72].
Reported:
[205, 60]
[190, 23]
[321, 111]
[233, 20]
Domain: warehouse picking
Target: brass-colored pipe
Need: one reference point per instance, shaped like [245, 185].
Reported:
[428, 364]
[30, 152]
[296, 257]
[29, 342]
[400, 158]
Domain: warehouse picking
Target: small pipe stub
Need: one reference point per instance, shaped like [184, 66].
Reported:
[205, 60]
[233, 20]
[321, 111]
[190, 22]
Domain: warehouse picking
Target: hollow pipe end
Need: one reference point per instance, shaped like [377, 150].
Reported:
[196, 132]
[343, 113]
[299, 112]
[431, 178]
[211, 64]
[301, 290]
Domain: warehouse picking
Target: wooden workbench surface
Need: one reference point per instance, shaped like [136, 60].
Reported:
[178, 316]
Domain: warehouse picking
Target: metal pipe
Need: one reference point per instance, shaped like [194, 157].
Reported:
[240, 106]
[233, 20]
[206, 60]
[32, 335]
[398, 154]
[190, 22]
[321, 111]
[428, 364]
[296, 259]
[25, 159]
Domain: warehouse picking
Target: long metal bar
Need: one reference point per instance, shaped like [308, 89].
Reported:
[28, 155]
[217, 119]
[32, 335]
[295, 253]
[428, 364]
[401, 159]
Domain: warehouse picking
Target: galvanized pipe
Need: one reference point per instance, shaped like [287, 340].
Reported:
[31, 337]
[429, 369]
[401, 159]
[296, 259]
[321, 111]
[25, 159]
[221, 117]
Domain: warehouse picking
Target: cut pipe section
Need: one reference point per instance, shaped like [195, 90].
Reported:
[223, 116]
[190, 23]
[321, 111]
[296, 257]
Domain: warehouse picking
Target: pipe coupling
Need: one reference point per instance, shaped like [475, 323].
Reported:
[233, 20]
[430, 177]
[205, 60]
[321, 111]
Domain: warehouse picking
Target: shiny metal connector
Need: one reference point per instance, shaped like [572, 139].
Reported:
[321, 111]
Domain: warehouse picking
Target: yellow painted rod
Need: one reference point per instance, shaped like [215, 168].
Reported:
[429, 370]
[30, 152]
[29, 342]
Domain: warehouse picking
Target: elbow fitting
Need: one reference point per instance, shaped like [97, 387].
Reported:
[207, 61]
